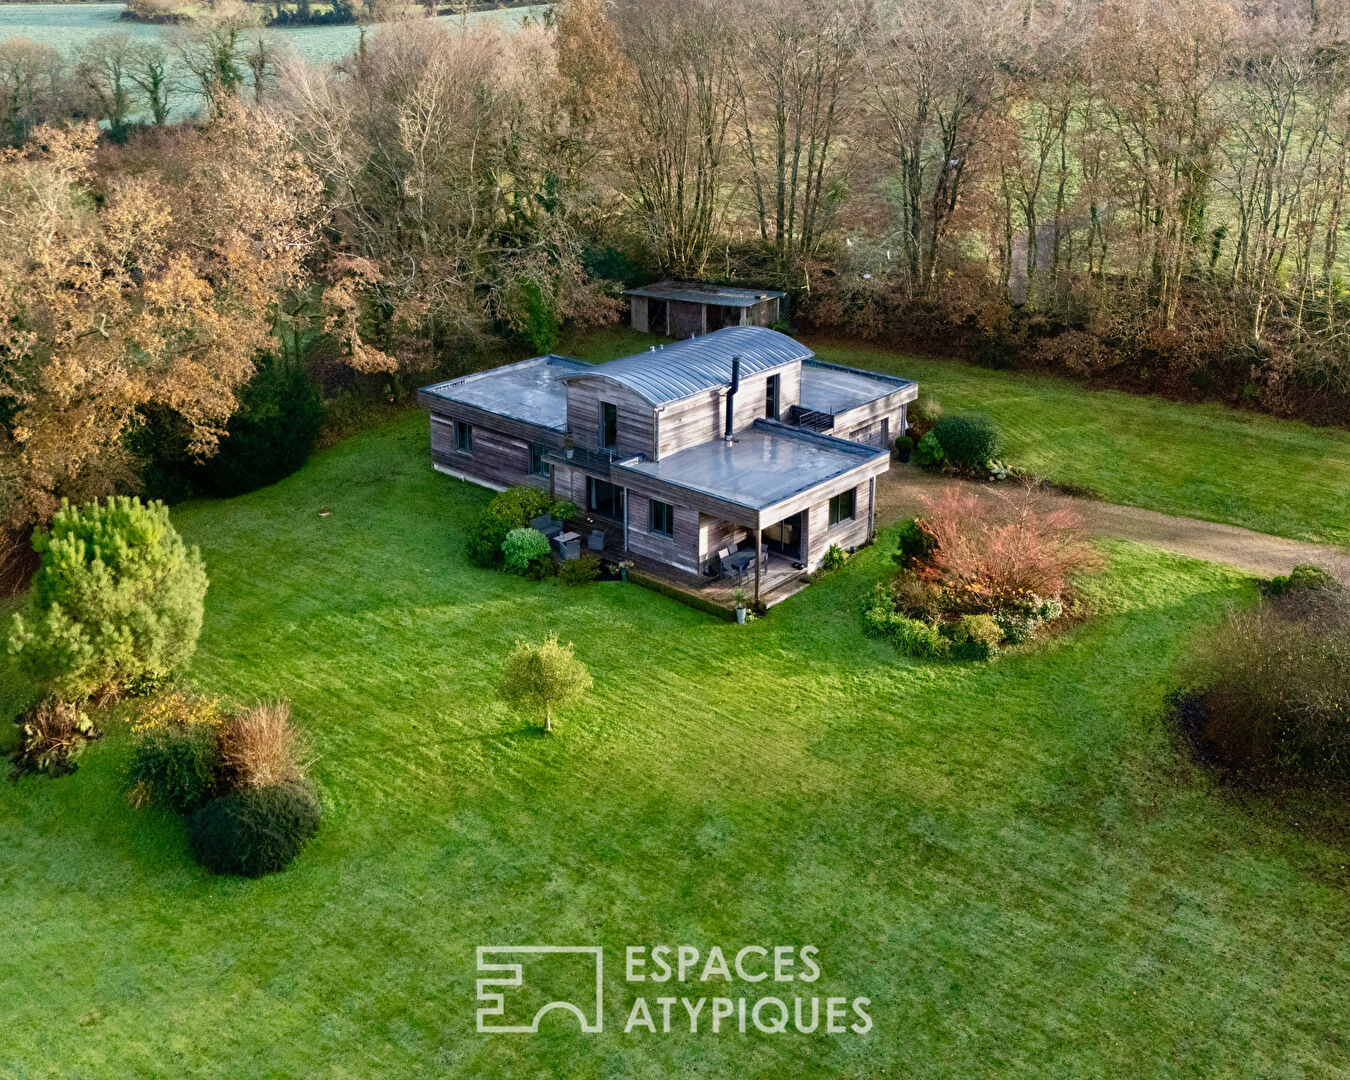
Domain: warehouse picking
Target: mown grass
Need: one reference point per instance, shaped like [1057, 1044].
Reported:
[1204, 461]
[1009, 859]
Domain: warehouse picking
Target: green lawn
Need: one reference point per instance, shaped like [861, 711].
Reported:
[1008, 859]
[1204, 461]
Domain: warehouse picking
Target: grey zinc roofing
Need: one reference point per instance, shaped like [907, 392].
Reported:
[766, 464]
[695, 292]
[701, 363]
[828, 388]
[530, 391]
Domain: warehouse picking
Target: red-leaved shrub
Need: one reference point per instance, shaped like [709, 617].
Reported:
[1003, 547]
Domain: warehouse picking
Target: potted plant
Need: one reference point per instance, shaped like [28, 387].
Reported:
[739, 602]
[624, 567]
[904, 446]
[567, 446]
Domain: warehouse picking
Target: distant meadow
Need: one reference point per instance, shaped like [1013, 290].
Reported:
[69, 27]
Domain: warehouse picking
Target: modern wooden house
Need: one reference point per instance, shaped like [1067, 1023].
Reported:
[681, 309]
[737, 437]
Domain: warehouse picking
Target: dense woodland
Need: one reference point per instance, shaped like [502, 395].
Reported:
[1148, 193]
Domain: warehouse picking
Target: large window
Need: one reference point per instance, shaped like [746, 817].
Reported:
[663, 518]
[538, 466]
[609, 425]
[604, 498]
[844, 507]
[771, 397]
[463, 437]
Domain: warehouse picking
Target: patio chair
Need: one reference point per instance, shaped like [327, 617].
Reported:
[722, 556]
[596, 541]
[546, 524]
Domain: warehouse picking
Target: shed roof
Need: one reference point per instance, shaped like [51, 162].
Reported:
[687, 367]
[530, 391]
[766, 464]
[701, 292]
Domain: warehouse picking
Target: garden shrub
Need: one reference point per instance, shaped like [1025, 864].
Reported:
[579, 571]
[927, 408]
[513, 508]
[260, 747]
[527, 552]
[177, 708]
[917, 639]
[910, 636]
[834, 558]
[1269, 690]
[915, 543]
[255, 831]
[117, 598]
[1019, 619]
[1301, 578]
[1004, 548]
[929, 453]
[967, 440]
[917, 598]
[174, 766]
[52, 734]
[976, 637]
[904, 447]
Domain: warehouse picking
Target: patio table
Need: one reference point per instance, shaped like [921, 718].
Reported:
[741, 561]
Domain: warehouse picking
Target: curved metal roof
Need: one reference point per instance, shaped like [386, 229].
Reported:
[699, 363]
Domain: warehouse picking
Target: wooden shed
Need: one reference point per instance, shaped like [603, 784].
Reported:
[681, 309]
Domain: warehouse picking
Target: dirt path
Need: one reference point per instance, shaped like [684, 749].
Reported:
[900, 493]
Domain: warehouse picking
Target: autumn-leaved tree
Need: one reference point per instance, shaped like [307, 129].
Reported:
[160, 293]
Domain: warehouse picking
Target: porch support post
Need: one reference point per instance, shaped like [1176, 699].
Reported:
[625, 520]
[759, 559]
[872, 510]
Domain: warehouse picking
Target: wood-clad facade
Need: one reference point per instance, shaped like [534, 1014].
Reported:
[617, 441]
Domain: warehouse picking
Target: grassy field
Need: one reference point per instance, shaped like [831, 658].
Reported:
[1009, 860]
[1204, 461]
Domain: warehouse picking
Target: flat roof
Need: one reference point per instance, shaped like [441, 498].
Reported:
[530, 391]
[765, 464]
[702, 292]
[829, 388]
[669, 373]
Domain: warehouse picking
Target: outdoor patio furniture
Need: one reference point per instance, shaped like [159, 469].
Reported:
[596, 541]
[741, 561]
[568, 545]
[722, 556]
[547, 524]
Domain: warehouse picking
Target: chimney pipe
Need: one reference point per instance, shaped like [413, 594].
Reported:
[731, 392]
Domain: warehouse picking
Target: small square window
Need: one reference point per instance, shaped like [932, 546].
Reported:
[843, 507]
[663, 518]
[463, 437]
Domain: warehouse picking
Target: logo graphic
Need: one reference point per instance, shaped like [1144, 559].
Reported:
[506, 974]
